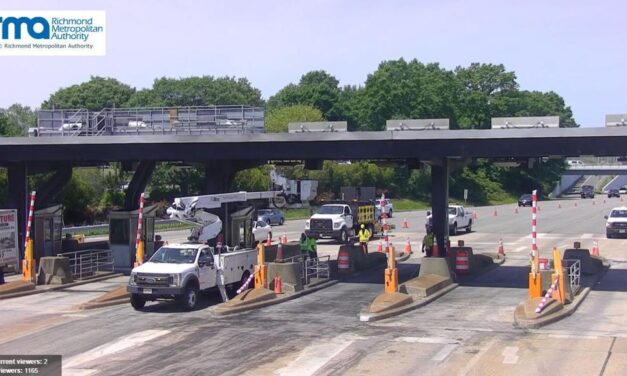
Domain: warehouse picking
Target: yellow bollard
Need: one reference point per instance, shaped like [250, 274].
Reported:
[560, 293]
[139, 254]
[535, 278]
[260, 268]
[391, 273]
[28, 264]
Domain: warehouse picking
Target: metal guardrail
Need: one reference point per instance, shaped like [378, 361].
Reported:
[89, 262]
[574, 275]
[105, 226]
[317, 267]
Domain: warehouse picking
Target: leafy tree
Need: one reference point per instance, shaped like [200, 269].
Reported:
[278, 119]
[317, 89]
[78, 199]
[481, 84]
[408, 90]
[198, 91]
[15, 120]
[535, 103]
[252, 179]
[169, 181]
[94, 95]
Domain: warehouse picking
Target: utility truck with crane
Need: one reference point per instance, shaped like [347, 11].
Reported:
[180, 271]
[341, 220]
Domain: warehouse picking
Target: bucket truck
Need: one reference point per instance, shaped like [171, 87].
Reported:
[180, 271]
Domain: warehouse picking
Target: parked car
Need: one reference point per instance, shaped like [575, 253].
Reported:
[389, 207]
[271, 216]
[525, 200]
[587, 191]
[616, 224]
[261, 230]
[622, 190]
[613, 193]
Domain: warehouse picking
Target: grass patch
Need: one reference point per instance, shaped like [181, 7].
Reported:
[296, 213]
[407, 204]
[158, 227]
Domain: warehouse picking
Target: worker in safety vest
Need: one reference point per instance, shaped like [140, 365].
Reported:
[427, 243]
[308, 246]
[364, 236]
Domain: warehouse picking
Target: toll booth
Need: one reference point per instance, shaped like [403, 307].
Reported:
[123, 233]
[47, 231]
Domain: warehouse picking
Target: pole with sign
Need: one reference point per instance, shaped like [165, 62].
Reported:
[465, 196]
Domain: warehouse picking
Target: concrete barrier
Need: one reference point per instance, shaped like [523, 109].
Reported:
[290, 273]
[424, 286]
[290, 249]
[54, 271]
[589, 264]
[434, 265]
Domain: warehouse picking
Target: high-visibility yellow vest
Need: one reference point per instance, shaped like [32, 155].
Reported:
[364, 235]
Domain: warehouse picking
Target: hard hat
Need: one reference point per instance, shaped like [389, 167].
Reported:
[362, 226]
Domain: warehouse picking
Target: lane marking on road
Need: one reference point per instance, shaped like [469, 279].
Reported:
[445, 352]
[314, 357]
[475, 359]
[81, 315]
[520, 249]
[509, 354]
[587, 236]
[577, 336]
[440, 340]
[134, 340]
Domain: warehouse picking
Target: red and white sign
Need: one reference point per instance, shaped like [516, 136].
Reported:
[8, 238]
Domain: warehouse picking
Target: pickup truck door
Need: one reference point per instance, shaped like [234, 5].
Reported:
[206, 269]
[463, 219]
[348, 217]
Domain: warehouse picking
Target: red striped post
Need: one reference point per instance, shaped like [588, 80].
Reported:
[30, 218]
[140, 220]
[534, 245]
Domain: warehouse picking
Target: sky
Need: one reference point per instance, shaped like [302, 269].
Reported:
[575, 48]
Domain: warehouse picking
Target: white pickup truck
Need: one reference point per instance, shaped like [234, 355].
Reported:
[458, 218]
[180, 271]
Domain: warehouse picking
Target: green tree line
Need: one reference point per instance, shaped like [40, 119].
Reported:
[398, 89]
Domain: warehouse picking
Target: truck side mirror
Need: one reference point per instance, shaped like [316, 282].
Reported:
[428, 212]
[605, 216]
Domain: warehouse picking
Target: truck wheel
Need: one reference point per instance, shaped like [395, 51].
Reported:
[281, 222]
[190, 297]
[137, 301]
[469, 228]
[343, 236]
[390, 214]
[453, 230]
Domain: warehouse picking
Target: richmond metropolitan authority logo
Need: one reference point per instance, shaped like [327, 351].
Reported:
[60, 33]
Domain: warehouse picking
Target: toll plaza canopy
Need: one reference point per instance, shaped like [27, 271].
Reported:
[423, 145]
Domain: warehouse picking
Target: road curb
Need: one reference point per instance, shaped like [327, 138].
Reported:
[565, 312]
[369, 317]
[248, 307]
[59, 287]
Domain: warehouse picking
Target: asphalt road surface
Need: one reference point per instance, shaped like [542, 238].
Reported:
[469, 331]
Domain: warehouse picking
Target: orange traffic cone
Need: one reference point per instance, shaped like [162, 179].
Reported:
[278, 282]
[436, 249]
[575, 203]
[495, 213]
[405, 224]
[284, 239]
[516, 210]
[380, 246]
[268, 241]
[595, 248]
[474, 215]
[594, 202]
[279, 253]
[408, 247]
[559, 205]
[501, 251]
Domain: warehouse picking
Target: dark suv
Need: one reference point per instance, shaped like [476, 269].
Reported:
[525, 200]
[613, 193]
[587, 191]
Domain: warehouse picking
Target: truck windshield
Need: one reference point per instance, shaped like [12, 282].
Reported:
[619, 214]
[452, 211]
[331, 209]
[174, 255]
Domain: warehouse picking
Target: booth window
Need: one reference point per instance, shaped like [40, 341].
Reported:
[118, 233]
